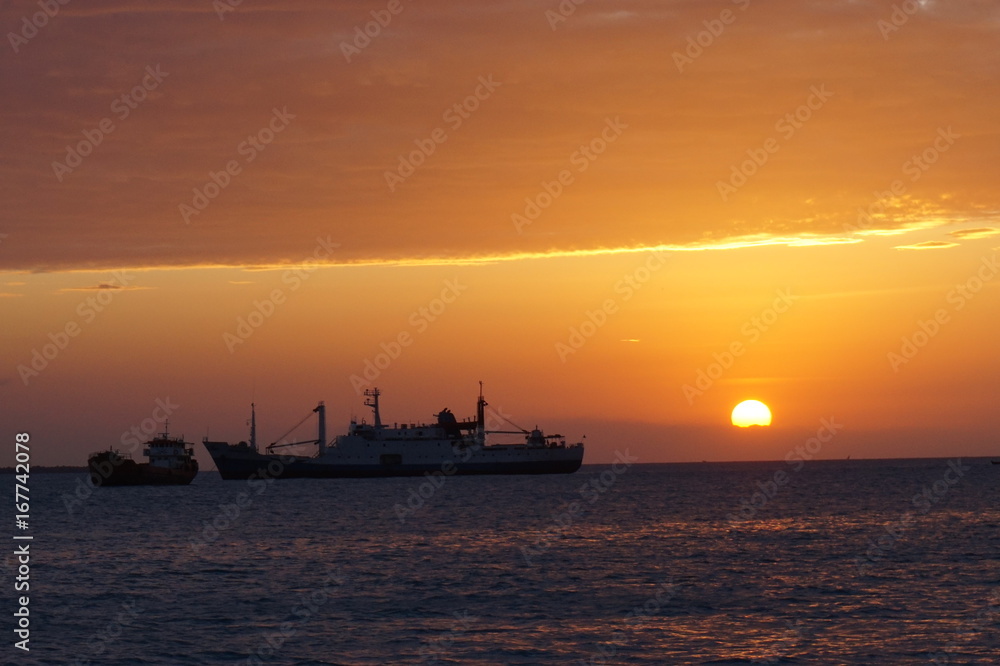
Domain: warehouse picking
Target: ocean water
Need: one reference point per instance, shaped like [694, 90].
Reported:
[850, 562]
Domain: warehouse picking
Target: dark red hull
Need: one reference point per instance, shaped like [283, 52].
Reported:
[110, 469]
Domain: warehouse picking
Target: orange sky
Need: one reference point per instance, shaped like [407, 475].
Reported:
[598, 164]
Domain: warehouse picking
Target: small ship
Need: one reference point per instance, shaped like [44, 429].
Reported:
[171, 462]
[447, 447]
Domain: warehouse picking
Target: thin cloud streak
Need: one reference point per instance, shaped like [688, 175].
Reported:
[927, 245]
[970, 234]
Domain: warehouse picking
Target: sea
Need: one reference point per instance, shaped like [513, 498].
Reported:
[809, 562]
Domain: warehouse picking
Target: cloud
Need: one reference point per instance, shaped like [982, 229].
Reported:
[474, 259]
[106, 286]
[980, 232]
[927, 245]
[354, 122]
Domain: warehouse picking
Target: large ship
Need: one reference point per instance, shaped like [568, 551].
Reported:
[375, 449]
[171, 462]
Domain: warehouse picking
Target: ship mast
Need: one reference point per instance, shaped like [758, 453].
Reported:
[481, 418]
[253, 428]
[371, 400]
[321, 410]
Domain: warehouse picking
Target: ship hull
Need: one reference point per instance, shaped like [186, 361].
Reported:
[107, 471]
[236, 462]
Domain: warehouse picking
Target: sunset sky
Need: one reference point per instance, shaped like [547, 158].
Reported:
[624, 219]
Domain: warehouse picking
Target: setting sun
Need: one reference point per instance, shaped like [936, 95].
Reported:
[751, 413]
